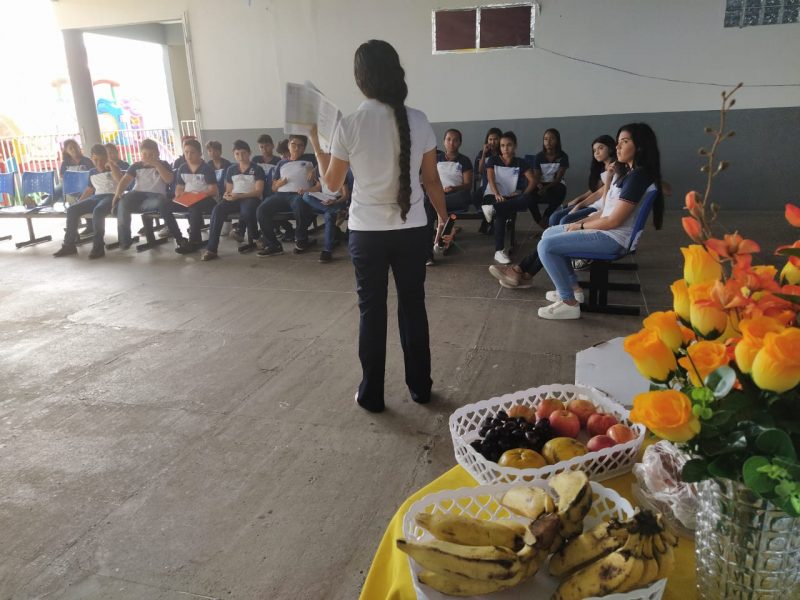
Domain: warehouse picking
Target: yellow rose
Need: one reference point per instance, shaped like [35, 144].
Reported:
[705, 357]
[753, 332]
[776, 367]
[790, 274]
[666, 413]
[652, 357]
[680, 299]
[665, 324]
[699, 265]
[707, 316]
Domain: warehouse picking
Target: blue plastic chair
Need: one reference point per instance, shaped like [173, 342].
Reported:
[602, 264]
[7, 186]
[75, 182]
[41, 182]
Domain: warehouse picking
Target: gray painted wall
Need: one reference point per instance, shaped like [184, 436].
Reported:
[764, 172]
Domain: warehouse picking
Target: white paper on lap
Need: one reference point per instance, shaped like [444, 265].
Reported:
[243, 183]
[450, 173]
[505, 180]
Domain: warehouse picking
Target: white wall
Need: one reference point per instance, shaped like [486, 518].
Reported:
[244, 54]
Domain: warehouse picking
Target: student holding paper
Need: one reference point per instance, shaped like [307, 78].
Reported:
[510, 187]
[328, 204]
[244, 183]
[292, 178]
[387, 145]
[195, 193]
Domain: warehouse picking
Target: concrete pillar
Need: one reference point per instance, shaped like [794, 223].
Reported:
[82, 91]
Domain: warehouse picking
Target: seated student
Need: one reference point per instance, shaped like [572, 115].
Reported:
[195, 193]
[603, 155]
[455, 172]
[150, 177]
[491, 147]
[218, 164]
[113, 156]
[181, 160]
[509, 189]
[549, 167]
[244, 183]
[636, 173]
[293, 177]
[283, 149]
[329, 204]
[267, 160]
[72, 159]
[95, 200]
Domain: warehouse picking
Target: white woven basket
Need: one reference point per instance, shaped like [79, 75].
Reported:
[484, 502]
[465, 423]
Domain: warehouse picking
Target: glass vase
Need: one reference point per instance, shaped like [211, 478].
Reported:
[746, 548]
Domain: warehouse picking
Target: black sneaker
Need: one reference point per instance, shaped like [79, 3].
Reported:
[300, 247]
[66, 250]
[97, 252]
[430, 262]
[288, 237]
[270, 251]
[325, 256]
[245, 248]
[185, 247]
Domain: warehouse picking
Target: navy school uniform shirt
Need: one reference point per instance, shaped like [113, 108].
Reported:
[293, 169]
[244, 182]
[85, 164]
[197, 181]
[519, 166]
[123, 166]
[220, 173]
[478, 162]
[464, 165]
[102, 182]
[147, 179]
[548, 168]
[269, 170]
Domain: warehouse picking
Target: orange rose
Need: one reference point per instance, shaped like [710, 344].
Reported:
[688, 335]
[680, 299]
[666, 413]
[704, 358]
[753, 332]
[652, 357]
[699, 265]
[776, 367]
[707, 317]
[665, 324]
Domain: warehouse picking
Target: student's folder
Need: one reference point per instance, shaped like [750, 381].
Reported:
[187, 199]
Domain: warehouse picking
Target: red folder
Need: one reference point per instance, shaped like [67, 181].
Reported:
[188, 198]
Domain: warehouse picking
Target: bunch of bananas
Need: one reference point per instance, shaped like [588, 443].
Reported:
[471, 556]
[614, 557]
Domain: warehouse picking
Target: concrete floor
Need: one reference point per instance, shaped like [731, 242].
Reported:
[174, 429]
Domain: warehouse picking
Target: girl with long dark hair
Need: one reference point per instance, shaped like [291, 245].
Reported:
[636, 173]
[549, 167]
[386, 145]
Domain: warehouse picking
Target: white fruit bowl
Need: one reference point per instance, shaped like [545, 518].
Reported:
[484, 502]
[465, 423]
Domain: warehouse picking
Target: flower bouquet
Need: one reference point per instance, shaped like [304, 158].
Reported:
[725, 369]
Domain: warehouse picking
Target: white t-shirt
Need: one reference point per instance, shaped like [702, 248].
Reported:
[635, 187]
[598, 204]
[369, 141]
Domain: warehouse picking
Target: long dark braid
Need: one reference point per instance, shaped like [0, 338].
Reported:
[380, 76]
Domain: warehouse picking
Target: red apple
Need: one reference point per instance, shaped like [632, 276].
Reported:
[598, 423]
[620, 433]
[599, 442]
[583, 409]
[547, 407]
[565, 423]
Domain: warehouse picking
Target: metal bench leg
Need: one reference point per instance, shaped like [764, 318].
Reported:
[4, 238]
[32, 239]
[598, 292]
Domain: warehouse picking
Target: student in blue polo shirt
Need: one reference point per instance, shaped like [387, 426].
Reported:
[244, 183]
[509, 189]
[218, 164]
[72, 159]
[95, 200]
[455, 172]
[549, 167]
[194, 179]
[293, 177]
[150, 177]
[329, 204]
[491, 147]
[113, 156]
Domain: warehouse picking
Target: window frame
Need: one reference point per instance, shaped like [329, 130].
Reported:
[532, 5]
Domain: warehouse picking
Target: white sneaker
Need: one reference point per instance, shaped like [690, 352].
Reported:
[552, 296]
[163, 232]
[488, 212]
[501, 257]
[560, 310]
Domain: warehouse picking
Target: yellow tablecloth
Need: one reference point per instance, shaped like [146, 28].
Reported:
[389, 576]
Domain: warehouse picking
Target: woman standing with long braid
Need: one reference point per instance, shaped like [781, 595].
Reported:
[386, 145]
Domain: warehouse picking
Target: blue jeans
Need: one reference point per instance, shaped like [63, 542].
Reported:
[556, 243]
[219, 215]
[562, 216]
[328, 211]
[272, 205]
[130, 203]
[196, 220]
[99, 206]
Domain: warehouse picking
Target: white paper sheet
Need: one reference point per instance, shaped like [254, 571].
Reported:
[505, 180]
[243, 183]
[325, 194]
[450, 173]
[306, 105]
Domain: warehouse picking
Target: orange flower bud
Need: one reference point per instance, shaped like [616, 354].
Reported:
[665, 324]
[703, 359]
[666, 413]
[793, 215]
[680, 299]
[776, 367]
[693, 229]
[699, 265]
[652, 357]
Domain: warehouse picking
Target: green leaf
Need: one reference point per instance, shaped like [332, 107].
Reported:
[695, 470]
[736, 401]
[788, 297]
[721, 381]
[719, 419]
[775, 442]
[759, 482]
[789, 251]
[725, 467]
